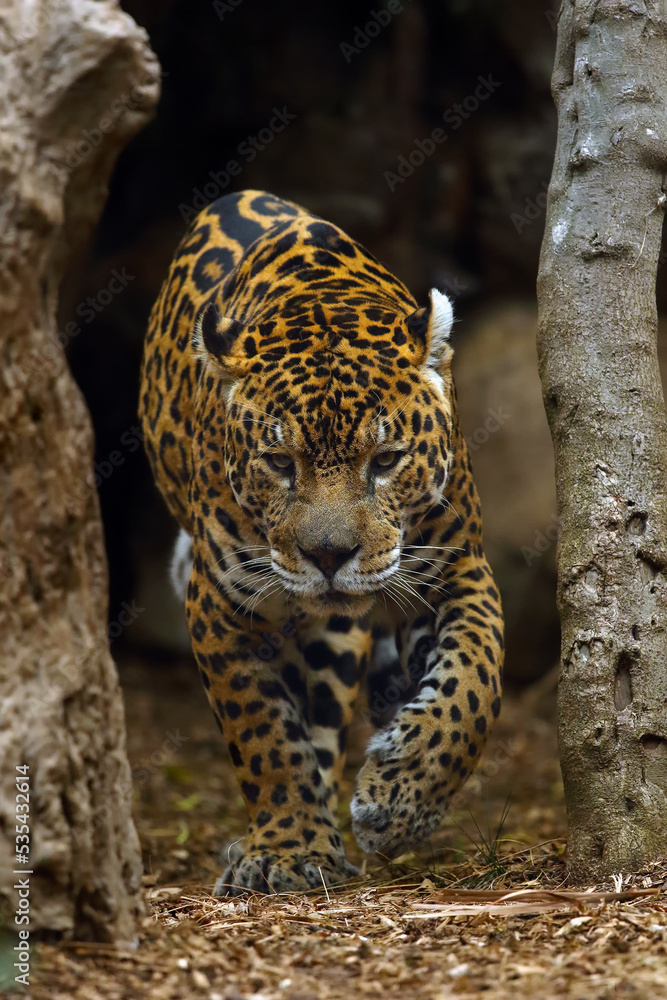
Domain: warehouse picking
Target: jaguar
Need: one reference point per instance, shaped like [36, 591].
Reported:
[300, 419]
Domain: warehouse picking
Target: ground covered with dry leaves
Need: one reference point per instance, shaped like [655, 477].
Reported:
[483, 910]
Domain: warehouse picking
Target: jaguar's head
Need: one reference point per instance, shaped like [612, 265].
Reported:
[334, 445]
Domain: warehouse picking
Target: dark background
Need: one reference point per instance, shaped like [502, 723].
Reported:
[468, 220]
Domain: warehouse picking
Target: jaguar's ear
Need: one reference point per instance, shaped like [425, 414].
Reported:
[224, 343]
[431, 327]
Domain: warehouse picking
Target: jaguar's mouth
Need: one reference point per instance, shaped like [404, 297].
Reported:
[338, 596]
[334, 601]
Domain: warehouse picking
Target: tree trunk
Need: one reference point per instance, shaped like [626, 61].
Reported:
[604, 402]
[77, 80]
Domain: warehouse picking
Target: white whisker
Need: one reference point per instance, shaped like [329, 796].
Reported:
[410, 588]
[394, 596]
[424, 581]
[438, 548]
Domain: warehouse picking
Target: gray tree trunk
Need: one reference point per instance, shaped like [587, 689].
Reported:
[604, 402]
[77, 79]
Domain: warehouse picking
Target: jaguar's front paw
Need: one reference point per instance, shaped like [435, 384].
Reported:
[257, 870]
[389, 821]
[400, 800]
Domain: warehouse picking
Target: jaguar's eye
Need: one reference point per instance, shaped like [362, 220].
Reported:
[281, 463]
[386, 460]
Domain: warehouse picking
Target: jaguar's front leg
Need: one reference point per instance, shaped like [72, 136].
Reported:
[334, 653]
[292, 842]
[418, 761]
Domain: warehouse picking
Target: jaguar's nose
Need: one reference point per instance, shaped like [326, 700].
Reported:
[329, 559]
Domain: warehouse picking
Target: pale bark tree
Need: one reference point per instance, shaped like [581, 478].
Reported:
[77, 79]
[604, 402]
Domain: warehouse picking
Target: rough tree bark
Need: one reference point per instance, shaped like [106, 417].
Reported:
[604, 402]
[77, 79]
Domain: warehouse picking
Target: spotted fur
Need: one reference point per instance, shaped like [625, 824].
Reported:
[300, 419]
